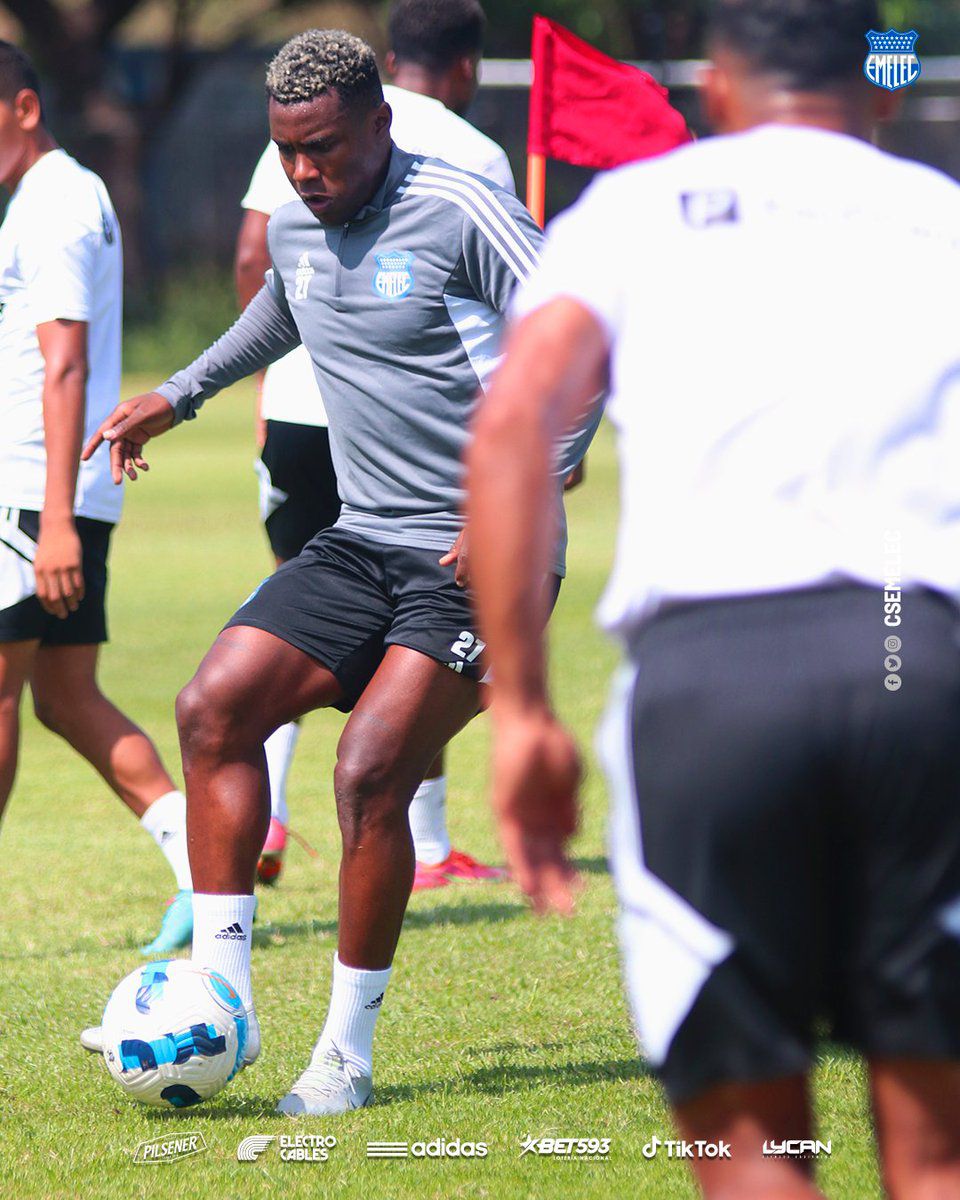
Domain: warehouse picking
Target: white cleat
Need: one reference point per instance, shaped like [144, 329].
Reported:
[251, 1051]
[92, 1039]
[332, 1086]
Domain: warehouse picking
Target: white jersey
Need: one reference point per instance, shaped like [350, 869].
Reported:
[421, 125]
[60, 258]
[785, 365]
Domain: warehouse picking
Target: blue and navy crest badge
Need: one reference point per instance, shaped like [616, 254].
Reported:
[892, 62]
[394, 277]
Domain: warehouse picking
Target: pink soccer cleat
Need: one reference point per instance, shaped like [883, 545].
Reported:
[457, 867]
[426, 877]
[271, 857]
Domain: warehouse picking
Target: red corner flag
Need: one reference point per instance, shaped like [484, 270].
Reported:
[591, 110]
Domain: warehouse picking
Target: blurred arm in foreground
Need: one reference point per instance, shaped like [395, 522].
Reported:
[554, 372]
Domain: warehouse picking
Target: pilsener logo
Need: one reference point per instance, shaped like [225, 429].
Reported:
[169, 1148]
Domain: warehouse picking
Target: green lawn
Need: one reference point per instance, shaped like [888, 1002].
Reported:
[496, 1025]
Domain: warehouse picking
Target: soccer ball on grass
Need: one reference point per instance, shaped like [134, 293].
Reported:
[174, 1033]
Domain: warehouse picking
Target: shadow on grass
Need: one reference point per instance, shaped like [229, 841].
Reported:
[416, 918]
[504, 1080]
[487, 1081]
[592, 866]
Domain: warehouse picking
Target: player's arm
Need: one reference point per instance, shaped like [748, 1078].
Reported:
[555, 368]
[264, 332]
[58, 563]
[252, 258]
[251, 262]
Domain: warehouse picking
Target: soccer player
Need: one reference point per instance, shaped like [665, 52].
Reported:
[786, 826]
[393, 270]
[436, 48]
[60, 317]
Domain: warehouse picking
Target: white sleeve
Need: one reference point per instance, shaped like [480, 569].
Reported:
[499, 171]
[59, 267]
[269, 185]
[580, 261]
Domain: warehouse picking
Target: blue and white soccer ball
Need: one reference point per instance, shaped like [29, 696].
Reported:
[174, 1033]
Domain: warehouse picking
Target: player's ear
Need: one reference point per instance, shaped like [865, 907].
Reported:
[382, 119]
[390, 63]
[28, 110]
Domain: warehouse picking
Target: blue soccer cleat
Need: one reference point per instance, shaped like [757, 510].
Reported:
[176, 928]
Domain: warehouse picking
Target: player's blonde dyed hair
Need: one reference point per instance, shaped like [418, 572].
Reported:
[323, 60]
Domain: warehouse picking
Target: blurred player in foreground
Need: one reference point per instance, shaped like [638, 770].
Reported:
[786, 825]
[61, 297]
[394, 271]
[435, 55]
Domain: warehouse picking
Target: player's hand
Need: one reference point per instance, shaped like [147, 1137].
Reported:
[127, 430]
[459, 554]
[536, 775]
[58, 566]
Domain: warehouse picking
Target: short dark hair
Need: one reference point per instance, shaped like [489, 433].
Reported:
[324, 60]
[16, 72]
[435, 33]
[811, 44]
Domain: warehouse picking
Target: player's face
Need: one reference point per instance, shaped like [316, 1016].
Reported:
[334, 157]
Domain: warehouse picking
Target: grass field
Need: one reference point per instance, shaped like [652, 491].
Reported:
[496, 1025]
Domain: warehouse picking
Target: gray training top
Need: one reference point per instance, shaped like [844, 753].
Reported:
[401, 310]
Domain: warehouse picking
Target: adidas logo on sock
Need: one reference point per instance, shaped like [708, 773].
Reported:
[375, 1003]
[233, 933]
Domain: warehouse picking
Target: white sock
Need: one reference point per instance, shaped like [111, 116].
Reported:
[222, 933]
[279, 748]
[428, 821]
[166, 822]
[355, 1000]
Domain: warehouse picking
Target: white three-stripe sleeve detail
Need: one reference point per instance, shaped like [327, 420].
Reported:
[482, 199]
[518, 267]
[486, 198]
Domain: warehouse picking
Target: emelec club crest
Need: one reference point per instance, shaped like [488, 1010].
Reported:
[892, 62]
[394, 278]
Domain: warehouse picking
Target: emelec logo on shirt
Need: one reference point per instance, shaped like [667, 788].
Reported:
[394, 277]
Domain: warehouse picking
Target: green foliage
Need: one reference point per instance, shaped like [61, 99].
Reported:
[189, 311]
[937, 21]
[496, 1025]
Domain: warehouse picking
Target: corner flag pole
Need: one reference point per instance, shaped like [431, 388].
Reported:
[537, 186]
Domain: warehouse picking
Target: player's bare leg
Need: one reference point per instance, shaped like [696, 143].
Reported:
[746, 1115]
[249, 683]
[410, 709]
[16, 659]
[279, 748]
[916, 1109]
[408, 712]
[67, 700]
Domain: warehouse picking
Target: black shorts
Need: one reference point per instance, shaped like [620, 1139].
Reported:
[298, 486]
[787, 833]
[345, 599]
[22, 618]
